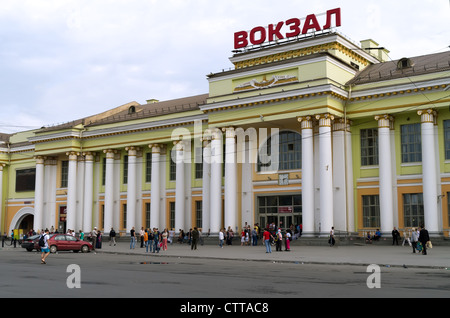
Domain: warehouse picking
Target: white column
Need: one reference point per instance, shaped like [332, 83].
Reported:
[385, 174]
[109, 191]
[179, 190]
[155, 184]
[429, 175]
[71, 217]
[131, 187]
[206, 206]
[230, 178]
[2, 165]
[307, 175]
[80, 193]
[216, 181]
[50, 172]
[39, 194]
[325, 173]
[88, 191]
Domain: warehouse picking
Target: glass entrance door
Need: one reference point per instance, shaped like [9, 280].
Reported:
[281, 211]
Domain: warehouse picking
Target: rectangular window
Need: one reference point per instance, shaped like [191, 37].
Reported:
[104, 171]
[124, 216]
[448, 207]
[198, 163]
[147, 215]
[172, 215]
[371, 210]
[125, 169]
[148, 167]
[447, 139]
[25, 180]
[411, 143]
[369, 147]
[64, 173]
[173, 170]
[198, 213]
[413, 209]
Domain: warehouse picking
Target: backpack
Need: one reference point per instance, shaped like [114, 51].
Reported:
[42, 240]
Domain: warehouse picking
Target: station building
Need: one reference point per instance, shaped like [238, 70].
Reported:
[318, 131]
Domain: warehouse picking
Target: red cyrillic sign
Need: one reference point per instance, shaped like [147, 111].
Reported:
[258, 35]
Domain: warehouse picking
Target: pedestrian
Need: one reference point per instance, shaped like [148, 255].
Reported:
[164, 236]
[45, 250]
[171, 236]
[279, 240]
[255, 236]
[267, 236]
[230, 235]
[242, 237]
[98, 243]
[221, 237]
[146, 240]
[133, 238]
[395, 236]
[194, 238]
[81, 235]
[331, 240]
[112, 237]
[141, 236]
[94, 238]
[424, 238]
[414, 239]
[156, 240]
[288, 240]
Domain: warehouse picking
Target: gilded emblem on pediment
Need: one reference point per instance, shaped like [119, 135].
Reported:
[265, 83]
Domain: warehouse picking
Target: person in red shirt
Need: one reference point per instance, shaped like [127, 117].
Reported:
[267, 236]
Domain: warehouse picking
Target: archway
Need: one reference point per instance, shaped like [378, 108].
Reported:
[23, 219]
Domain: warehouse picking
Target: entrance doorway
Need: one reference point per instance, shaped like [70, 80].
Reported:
[280, 210]
[62, 219]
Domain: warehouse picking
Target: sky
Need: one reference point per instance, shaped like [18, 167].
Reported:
[61, 60]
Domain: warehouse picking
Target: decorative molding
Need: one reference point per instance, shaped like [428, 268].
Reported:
[275, 81]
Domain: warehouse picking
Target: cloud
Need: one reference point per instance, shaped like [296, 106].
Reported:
[65, 59]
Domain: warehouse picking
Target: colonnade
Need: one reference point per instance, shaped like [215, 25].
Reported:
[429, 170]
[212, 180]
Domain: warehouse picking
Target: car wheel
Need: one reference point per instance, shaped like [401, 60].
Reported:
[53, 249]
[85, 249]
[29, 249]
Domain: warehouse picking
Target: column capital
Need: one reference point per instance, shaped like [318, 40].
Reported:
[342, 124]
[40, 159]
[50, 161]
[156, 148]
[215, 133]
[325, 119]
[385, 121]
[229, 132]
[427, 115]
[89, 156]
[132, 150]
[306, 122]
[179, 145]
[110, 153]
[73, 155]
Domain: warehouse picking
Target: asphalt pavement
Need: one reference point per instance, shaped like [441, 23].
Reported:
[382, 255]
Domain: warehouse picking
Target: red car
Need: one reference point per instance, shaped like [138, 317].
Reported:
[65, 242]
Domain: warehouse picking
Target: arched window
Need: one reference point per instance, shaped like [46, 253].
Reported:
[131, 110]
[289, 155]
